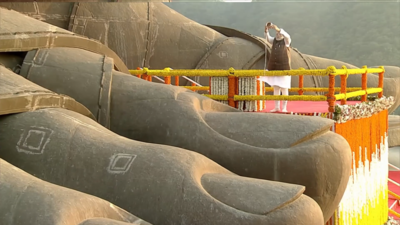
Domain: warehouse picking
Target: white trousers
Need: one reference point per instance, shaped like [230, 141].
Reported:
[277, 91]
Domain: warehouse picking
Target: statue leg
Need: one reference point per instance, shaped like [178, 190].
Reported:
[277, 91]
[285, 92]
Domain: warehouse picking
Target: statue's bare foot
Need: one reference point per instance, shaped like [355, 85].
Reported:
[293, 149]
[161, 184]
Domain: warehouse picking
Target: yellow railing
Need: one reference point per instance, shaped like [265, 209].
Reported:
[331, 70]
[233, 76]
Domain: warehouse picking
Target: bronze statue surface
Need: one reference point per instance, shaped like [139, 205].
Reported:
[150, 34]
[289, 149]
[162, 184]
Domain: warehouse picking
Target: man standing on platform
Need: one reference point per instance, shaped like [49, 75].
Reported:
[279, 60]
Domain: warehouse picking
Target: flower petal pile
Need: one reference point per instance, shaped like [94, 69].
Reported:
[344, 113]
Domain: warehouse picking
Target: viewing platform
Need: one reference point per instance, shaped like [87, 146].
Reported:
[363, 123]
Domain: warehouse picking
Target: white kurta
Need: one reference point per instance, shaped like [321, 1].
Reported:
[280, 81]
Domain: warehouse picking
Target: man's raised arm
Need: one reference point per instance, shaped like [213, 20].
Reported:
[286, 36]
[266, 34]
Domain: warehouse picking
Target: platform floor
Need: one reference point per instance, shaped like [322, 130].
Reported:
[304, 106]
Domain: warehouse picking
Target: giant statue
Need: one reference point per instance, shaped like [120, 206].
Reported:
[283, 155]
[153, 35]
[246, 144]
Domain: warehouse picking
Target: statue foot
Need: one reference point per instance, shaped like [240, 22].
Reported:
[158, 183]
[249, 144]
[162, 184]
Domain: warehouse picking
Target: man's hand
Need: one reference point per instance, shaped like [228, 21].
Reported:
[268, 26]
[276, 28]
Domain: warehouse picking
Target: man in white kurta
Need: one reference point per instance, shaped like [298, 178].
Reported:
[279, 60]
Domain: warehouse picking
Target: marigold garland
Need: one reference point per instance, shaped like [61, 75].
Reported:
[230, 72]
[357, 71]
[365, 198]
[178, 72]
[254, 73]
[270, 89]
[364, 84]
[280, 97]
[258, 93]
[269, 97]
[331, 70]
[197, 88]
[218, 97]
[357, 93]
[301, 84]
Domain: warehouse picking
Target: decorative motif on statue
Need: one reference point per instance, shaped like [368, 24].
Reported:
[34, 140]
[344, 113]
[120, 163]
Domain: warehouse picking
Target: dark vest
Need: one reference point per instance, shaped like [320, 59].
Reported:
[280, 56]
